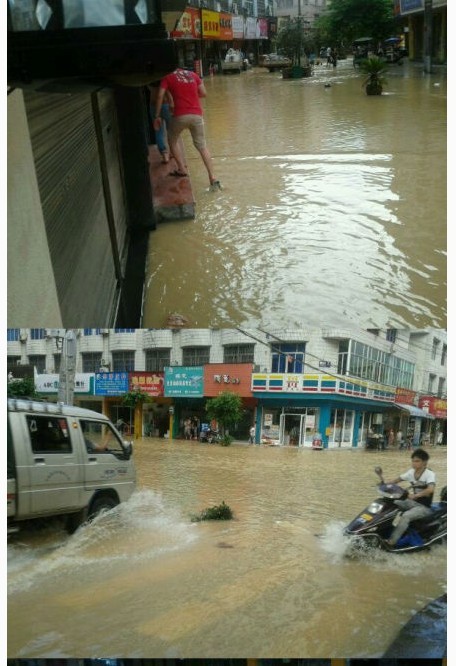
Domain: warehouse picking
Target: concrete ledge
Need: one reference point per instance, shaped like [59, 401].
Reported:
[172, 196]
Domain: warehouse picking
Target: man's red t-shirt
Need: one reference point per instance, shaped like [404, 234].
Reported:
[183, 86]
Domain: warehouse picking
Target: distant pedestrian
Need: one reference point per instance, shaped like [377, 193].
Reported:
[328, 56]
[186, 89]
[252, 435]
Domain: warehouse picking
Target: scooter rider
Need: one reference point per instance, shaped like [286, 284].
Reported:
[419, 500]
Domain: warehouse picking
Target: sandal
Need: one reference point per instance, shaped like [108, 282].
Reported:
[178, 174]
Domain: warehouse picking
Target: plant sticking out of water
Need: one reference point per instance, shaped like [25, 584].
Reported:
[220, 512]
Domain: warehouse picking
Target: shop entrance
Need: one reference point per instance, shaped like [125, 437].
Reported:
[298, 427]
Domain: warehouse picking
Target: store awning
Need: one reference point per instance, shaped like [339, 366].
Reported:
[414, 411]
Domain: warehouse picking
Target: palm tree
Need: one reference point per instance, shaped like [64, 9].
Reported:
[374, 68]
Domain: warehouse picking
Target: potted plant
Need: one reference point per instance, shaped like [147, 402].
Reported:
[374, 69]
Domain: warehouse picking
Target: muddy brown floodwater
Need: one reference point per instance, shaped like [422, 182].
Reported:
[333, 207]
[145, 581]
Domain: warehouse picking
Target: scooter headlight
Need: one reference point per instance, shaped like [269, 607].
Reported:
[375, 507]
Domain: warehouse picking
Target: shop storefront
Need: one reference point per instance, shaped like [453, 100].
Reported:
[297, 410]
[436, 429]
[185, 387]
[235, 378]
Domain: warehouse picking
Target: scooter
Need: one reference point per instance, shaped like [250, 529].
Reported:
[373, 526]
[210, 436]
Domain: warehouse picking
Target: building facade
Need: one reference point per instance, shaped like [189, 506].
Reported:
[345, 388]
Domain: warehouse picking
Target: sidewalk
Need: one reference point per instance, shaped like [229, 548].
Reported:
[172, 196]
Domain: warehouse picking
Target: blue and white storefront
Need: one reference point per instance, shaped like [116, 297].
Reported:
[294, 409]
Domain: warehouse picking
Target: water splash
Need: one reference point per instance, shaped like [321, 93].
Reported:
[145, 519]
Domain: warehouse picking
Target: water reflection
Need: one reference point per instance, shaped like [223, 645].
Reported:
[334, 207]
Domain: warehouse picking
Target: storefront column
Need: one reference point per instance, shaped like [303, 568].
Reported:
[137, 420]
[324, 423]
[356, 426]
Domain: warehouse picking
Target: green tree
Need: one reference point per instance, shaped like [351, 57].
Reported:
[292, 41]
[22, 388]
[135, 397]
[347, 20]
[226, 409]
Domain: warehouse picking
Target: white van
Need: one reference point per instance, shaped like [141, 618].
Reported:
[64, 461]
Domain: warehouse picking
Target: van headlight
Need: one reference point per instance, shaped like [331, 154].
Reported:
[375, 507]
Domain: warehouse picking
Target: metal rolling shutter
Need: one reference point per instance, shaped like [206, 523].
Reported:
[65, 149]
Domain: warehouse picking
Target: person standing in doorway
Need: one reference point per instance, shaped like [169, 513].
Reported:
[186, 89]
[252, 435]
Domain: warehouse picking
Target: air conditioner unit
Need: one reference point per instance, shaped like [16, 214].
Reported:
[23, 337]
[104, 331]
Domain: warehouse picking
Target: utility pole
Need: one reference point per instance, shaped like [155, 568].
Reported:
[427, 40]
[67, 367]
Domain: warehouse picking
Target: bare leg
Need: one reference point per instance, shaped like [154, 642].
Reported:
[175, 146]
[207, 159]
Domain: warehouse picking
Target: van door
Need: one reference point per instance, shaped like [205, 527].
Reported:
[107, 464]
[55, 477]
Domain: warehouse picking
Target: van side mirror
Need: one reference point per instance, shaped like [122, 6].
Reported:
[128, 448]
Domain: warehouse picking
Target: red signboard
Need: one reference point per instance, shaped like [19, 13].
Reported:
[189, 25]
[148, 382]
[226, 28]
[405, 396]
[435, 406]
[232, 377]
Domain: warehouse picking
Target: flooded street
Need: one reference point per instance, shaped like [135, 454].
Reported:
[146, 581]
[333, 207]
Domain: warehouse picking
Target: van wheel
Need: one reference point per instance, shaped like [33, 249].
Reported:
[75, 520]
[103, 503]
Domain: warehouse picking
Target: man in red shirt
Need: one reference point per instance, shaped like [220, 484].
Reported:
[186, 89]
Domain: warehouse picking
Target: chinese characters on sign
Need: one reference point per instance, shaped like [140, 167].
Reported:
[226, 379]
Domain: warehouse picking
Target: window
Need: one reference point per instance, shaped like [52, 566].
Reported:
[124, 330]
[39, 361]
[238, 353]
[99, 437]
[442, 387]
[369, 363]
[444, 355]
[157, 359]
[91, 361]
[57, 360]
[37, 333]
[195, 355]
[288, 357]
[123, 361]
[12, 334]
[13, 360]
[48, 434]
[431, 383]
[435, 348]
[342, 360]
[87, 331]
[391, 334]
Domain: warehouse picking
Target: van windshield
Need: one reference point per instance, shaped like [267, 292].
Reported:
[100, 437]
